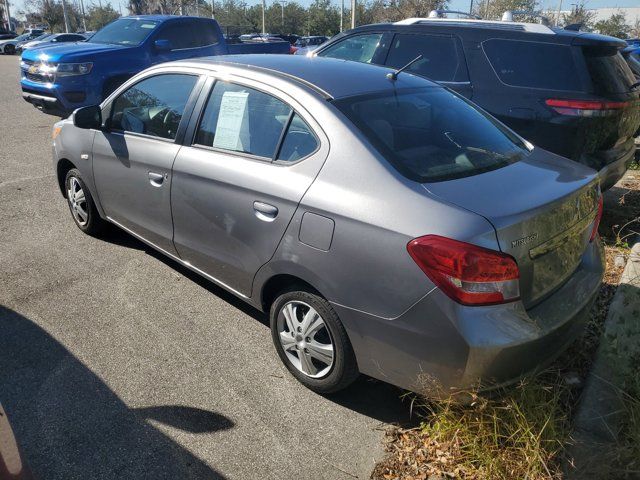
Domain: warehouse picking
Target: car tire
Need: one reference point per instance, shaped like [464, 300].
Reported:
[81, 205]
[304, 347]
[9, 49]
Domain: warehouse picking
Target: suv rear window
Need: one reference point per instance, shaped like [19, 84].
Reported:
[608, 70]
[431, 134]
[533, 64]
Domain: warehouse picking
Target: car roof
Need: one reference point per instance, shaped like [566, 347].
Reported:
[487, 28]
[332, 77]
[162, 18]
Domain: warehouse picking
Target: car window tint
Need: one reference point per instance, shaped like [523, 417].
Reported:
[359, 48]
[205, 34]
[533, 64]
[608, 70]
[432, 134]
[179, 34]
[242, 119]
[153, 106]
[440, 60]
[298, 142]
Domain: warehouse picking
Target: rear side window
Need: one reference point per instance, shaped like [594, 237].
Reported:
[440, 59]
[431, 134]
[153, 106]
[244, 120]
[359, 48]
[299, 141]
[608, 70]
[533, 64]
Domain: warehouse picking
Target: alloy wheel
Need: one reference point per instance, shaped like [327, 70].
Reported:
[305, 339]
[77, 201]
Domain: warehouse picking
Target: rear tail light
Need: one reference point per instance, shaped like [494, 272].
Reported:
[469, 274]
[596, 221]
[585, 108]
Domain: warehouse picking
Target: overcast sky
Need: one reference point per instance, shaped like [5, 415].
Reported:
[17, 5]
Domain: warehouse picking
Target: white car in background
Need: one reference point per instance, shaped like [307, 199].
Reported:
[51, 39]
[8, 47]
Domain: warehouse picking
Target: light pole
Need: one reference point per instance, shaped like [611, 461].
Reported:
[213, 15]
[84, 22]
[353, 13]
[264, 5]
[282, 3]
[559, 9]
[341, 16]
[66, 18]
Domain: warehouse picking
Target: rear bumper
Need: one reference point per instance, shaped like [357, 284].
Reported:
[612, 164]
[440, 343]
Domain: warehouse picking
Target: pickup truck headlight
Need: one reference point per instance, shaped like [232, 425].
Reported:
[67, 69]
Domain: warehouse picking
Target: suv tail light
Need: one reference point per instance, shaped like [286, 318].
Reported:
[585, 108]
[596, 221]
[469, 274]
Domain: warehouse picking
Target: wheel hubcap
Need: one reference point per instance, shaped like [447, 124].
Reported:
[305, 339]
[77, 201]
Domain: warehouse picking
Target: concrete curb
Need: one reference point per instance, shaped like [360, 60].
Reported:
[599, 415]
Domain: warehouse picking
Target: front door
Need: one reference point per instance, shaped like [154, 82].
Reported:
[133, 156]
[237, 186]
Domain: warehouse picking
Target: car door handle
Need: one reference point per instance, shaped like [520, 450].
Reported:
[156, 179]
[265, 212]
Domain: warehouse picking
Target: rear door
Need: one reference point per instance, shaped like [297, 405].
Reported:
[442, 59]
[239, 179]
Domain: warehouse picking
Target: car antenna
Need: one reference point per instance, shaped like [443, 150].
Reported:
[393, 76]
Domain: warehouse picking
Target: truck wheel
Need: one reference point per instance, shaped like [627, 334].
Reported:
[9, 49]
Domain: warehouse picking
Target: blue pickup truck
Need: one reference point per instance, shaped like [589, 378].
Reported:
[58, 79]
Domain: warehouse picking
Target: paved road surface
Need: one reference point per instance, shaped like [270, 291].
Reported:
[118, 364]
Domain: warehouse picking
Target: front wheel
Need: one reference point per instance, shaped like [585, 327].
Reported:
[312, 342]
[83, 209]
[9, 49]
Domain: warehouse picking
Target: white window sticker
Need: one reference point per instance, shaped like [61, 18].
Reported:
[232, 130]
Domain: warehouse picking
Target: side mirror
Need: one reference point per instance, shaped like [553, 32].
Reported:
[88, 117]
[162, 45]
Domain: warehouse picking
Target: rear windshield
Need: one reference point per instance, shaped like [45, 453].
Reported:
[533, 64]
[126, 31]
[608, 70]
[431, 134]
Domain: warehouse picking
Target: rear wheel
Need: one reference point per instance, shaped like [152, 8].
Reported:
[83, 209]
[311, 341]
[9, 49]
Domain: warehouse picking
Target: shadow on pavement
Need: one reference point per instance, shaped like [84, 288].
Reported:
[366, 396]
[70, 424]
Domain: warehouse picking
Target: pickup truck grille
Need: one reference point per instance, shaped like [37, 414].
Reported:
[30, 71]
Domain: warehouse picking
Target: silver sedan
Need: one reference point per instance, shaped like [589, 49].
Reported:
[386, 225]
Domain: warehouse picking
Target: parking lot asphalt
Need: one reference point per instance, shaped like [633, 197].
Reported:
[118, 363]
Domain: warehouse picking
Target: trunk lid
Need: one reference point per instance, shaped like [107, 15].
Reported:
[542, 209]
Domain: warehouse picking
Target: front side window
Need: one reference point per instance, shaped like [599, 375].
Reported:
[125, 31]
[533, 64]
[359, 48]
[440, 60]
[431, 134]
[153, 106]
[244, 120]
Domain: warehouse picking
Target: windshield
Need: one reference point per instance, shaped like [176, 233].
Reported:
[430, 134]
[126, 31]
[22, 37]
